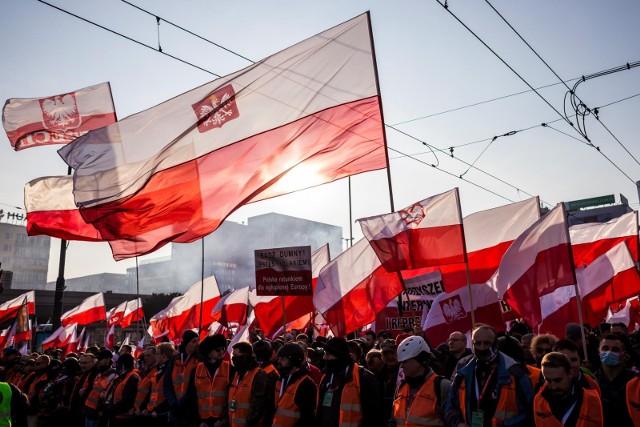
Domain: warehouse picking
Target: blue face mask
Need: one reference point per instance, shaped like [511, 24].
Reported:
[610, 358]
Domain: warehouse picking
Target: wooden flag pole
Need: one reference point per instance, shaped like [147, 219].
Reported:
[137, 298]
[201, 287]
[466, 263]
[284, 317]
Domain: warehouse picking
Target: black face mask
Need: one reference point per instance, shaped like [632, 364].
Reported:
[336, 366]
[415, 382]
[486, 357]
[240, 362]
[284, 370]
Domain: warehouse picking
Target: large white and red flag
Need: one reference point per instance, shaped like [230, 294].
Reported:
[9, 309]
[451, 312]
[110, 337]
[232, 308]
[589, 241]
[51, 210]
[305, 116]
[629, 314]
[243, 333]
[58, 119]
[488, 235]
[90, 310]
[184, 311]
[353, 287]
[6, 336]
[268, 309]
[125, 313]
[61, 337]
[537, 262]
[427, 233]
[610, 278]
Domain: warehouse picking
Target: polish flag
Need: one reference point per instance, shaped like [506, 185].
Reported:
[589, 241]
[216, 328]
[629, 314]
[307, 115]
[184, 311]
[61, 337]
[110, 338]
[125, 313]
[6, 336]
[127, 340]
[268, 309]
[353, 287]
[138, 349]
[488, 235]
[81, 339]
[58, 119]
[71, 345]
[427, 233]
[300, 324]
[9, 309]
[451, 312]
[52, 211]
[89, 311]
[243, 334]
[538, 262]
[232, 308]
[610, 278]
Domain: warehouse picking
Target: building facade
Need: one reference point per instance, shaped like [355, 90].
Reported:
[27, 258]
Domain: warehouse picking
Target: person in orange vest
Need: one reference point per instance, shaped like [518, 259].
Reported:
[420, 396]
[267, 359]
[510, 346]
[95, 398]
[121, 394]
[178, 373]
[295, 391]
[88, 372]
[156, 412]
[146, 375]
[209, 383]
[561, 401]
[11, 365]
[489, 387]
[249, 394]
[348, 394]
[633, 400]
[35, 386]
[583, 376]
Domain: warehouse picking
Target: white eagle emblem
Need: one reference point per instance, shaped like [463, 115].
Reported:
[413, 215]
[60, 112]
[452, 309]
[216, 109]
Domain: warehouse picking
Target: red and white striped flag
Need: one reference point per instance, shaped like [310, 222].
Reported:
[353, 287]
[243, 333]
[184, 311]
[232, 308]
[90, 310]
[139, 349]
[629, 314]
[589, 241]
[307, 115]
[451, 312]
[427, 233]
[537, 262]
[110, 338]
[58, 119]
[9, 309]
[125, 313]
[61, 337]
[52, 211]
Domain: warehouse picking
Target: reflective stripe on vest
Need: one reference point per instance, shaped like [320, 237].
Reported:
[5, 405]
[507, 405]
[240, 395]
[633, 400]
[100, 384]
[181, 373]
[287, 412]
[157, 392]
[590, 410]
[423, 410]
[211, 392]
[144, 388]
[350, 408]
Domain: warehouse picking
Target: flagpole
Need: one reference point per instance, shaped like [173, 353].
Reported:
[466, 263]
[201, 287]
[137, 297]
[284, 317]
[350, 215]
[59, 292]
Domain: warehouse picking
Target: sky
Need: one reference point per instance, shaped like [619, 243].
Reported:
[428, 64]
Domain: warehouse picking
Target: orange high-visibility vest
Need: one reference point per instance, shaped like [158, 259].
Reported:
[117, 394]
[269, 369]
[31, 390]
[423, 410]
[100, 385]
[535, 374]
[633, 400]
[590, 410]
[593, 384]
[287, 412]
[144, 388]
[240, 397]
[212, 392]
[24, 379]
[350, 406]
[507, 404]
[157, 392]
[181, 373]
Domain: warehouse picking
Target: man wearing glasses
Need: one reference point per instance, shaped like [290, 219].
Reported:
[457, 346]
[489, 388]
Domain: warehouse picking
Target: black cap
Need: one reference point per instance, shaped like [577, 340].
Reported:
[104, 354]
[293, 352]
[212, 342]
[262, 350]
[338, 347]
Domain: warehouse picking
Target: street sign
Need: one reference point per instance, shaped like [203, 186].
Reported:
[283, 271]
[594, 201]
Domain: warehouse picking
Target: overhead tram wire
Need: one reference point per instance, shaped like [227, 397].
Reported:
[445, 6]
[397, 130]
[577, 106]
[128, 38]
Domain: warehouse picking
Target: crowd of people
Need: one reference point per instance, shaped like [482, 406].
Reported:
[497, 379]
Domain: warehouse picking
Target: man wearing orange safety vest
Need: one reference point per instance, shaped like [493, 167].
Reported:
[420, 396]
[489, 387]
[177, 377]
[121, 394]
[561, 401]
[249, 394]
[583, 376]
[208, 386]
[633, 400]
[156, 412]
[96, 396]
[146, 375]
[267, 358]
[348, 394]
[295, 391]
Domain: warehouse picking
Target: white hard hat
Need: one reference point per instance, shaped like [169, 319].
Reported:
[411, 347]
